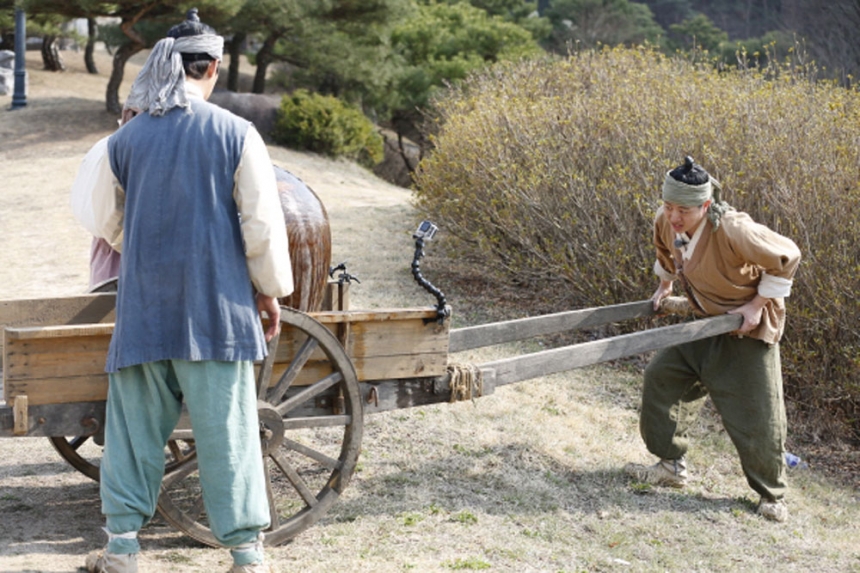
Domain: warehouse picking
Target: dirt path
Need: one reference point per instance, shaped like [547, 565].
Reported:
[42, 145]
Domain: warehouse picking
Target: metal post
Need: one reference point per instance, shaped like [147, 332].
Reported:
[19, 98]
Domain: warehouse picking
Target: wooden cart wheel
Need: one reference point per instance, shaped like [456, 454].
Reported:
[81, 454]
[71, 451]
[308, 459]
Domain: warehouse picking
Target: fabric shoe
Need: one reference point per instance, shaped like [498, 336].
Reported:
[672, 473]
[252, 568]
[104, 562]
[773, 510]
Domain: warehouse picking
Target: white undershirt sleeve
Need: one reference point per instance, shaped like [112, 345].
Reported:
[663, 273]
[97, 197]
[264, 231]
[774, 287]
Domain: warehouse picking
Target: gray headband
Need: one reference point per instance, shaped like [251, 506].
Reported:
[209, 44]
[686, 195]
[160, 85]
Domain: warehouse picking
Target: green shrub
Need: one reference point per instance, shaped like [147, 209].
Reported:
[326, 125]
[550, 172]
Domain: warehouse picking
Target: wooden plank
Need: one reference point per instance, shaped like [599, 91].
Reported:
[47, 357]
[384, 344]
[60, 390]
[516, 369]
[523, 328]
[64, 331]
[56, 364]
[374, 335]
[82, 309]
[90, 308]
[376, 315]
[371, 368]
[19, 416]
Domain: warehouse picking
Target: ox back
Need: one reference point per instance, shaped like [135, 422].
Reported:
[309, 235]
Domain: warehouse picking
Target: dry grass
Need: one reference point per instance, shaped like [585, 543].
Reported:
[550, 170]
[527, 479]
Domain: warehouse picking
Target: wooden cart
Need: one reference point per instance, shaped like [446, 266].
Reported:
[325, 373]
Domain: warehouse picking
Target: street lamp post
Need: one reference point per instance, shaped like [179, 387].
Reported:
[19, 97]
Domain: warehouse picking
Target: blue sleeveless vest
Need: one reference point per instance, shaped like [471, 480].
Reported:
[184, 288]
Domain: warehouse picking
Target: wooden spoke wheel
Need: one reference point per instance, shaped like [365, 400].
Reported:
[310, 437]
[83, 453]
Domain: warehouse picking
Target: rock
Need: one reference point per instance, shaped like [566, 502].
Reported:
[259, 109]
[7, 71]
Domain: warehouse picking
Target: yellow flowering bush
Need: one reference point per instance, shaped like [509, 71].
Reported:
[549, 171]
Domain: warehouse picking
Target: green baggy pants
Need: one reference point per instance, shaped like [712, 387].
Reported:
[143, 407]
[744, 379]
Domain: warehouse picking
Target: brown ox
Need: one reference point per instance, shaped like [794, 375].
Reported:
[309, 234]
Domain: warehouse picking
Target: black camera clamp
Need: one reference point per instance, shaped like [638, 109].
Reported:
[425, 232]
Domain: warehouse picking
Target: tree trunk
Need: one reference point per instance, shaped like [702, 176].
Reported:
[51, 54]
[264, 58]
[134, 45]
[119, 59]
[406, 122]
[235, 59]
[92, 30]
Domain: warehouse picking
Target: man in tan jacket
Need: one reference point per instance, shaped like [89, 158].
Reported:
[725, 263]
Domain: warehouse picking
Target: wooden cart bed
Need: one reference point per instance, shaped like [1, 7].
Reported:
[62, 359]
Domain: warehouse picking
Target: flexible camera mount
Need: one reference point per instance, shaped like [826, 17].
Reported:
[425, 232]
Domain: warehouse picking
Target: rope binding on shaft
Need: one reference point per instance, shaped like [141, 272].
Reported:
[467, 382]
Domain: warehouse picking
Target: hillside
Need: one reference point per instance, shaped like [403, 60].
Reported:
[42, 144]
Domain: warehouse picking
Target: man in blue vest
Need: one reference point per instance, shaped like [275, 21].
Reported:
[196, 215]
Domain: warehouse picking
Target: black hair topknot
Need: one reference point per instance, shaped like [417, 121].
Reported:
[690, 173]
[192, 26]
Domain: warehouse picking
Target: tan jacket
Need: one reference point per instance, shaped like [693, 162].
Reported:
[729, 266]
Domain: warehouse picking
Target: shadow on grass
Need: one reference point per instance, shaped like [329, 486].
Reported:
[515, 479]
[53, 120]
[19, 470]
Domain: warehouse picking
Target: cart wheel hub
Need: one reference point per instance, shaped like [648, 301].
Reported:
[271, 427]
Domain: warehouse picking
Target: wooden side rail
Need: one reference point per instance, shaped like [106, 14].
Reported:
[382, 344]
[524, 328]
[84, 309]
